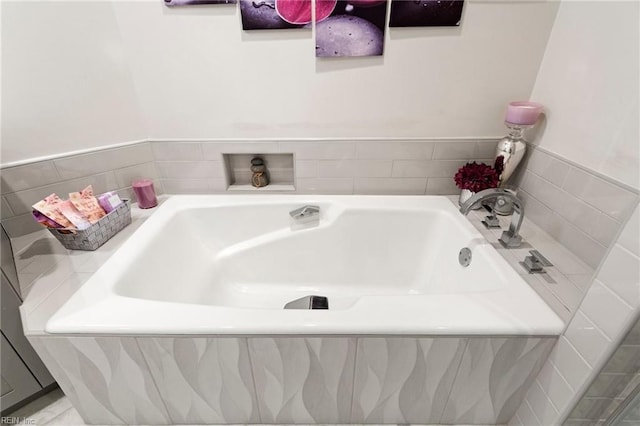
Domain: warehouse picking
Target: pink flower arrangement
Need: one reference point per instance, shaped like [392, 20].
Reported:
[477, 177]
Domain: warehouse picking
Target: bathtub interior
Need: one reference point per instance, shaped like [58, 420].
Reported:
[248, 256]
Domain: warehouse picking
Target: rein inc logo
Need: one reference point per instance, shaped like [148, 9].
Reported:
[17, 421]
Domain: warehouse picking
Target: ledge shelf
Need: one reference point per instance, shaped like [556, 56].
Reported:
[279, 169]
[269, 188]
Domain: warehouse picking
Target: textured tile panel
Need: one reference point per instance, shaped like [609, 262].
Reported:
[203, 380]
[105, 378]
[404, 380]
[303, 380]
[494, 375]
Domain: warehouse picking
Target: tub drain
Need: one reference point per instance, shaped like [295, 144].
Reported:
[309, 302]
[464, 257]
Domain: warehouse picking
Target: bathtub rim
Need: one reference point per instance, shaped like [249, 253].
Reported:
[69, 320]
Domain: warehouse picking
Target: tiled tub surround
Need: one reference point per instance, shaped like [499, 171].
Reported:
[563, 285]
[583, 210]
[617, 380]
[386, 387]
[609, 310]
[390, 166]
[329, 166]
[285, 380]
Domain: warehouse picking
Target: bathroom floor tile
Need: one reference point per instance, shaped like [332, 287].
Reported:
[45, 408]
[69, 417]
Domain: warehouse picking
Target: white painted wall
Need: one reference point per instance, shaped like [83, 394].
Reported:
[196, 74]
[589, 83]
[66, 84]
[200, 76]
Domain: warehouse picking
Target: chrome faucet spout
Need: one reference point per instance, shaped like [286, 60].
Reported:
[305, 212]
[510, 238]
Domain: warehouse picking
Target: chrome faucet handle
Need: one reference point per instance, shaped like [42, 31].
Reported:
[535, 263]
[510, 240]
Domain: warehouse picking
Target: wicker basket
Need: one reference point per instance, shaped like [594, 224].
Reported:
[98, 233]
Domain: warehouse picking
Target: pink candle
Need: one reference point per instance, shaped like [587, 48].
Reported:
[523, 113]
[145, 194]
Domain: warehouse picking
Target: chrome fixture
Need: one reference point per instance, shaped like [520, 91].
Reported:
[305, 213]
[535, 263]
[464, 257]
[510, 238]
[491, 221]
[511, 148]
[309, 302]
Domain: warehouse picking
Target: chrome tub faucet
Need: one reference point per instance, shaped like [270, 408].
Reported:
[305, 217]
[510, 238]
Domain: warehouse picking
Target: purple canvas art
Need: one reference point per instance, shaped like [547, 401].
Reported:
[425, 13]
[275, 14]
[172, 3]
[353, 28]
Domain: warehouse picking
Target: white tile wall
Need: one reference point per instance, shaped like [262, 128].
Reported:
[570, 363]
[630, 239]
[5, 209]
[398, 186]
[354, 168]
[215, 150]
[178, 151]
[458, 151]
[621, 274]
[325, 185]
[441, 186]
[526, 416]
[607, 310]
[555, 387]
[127, 175]
[191, 169]
[545, 165]
[610, 308]
[538, 398]
[320, 150]
[193, 186]
[398, 150]
[306, 169]
[583, 211]
[586, 338]
[29, 176]
[606, 197]
[103, 161]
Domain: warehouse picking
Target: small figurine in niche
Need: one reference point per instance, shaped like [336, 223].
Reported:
[259, 178]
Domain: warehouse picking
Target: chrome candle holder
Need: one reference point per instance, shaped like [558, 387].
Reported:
[512, 148]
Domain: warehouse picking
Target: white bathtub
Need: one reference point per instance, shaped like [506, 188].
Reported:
[226, 265]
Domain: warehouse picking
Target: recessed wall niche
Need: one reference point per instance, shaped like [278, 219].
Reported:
[279, 168]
